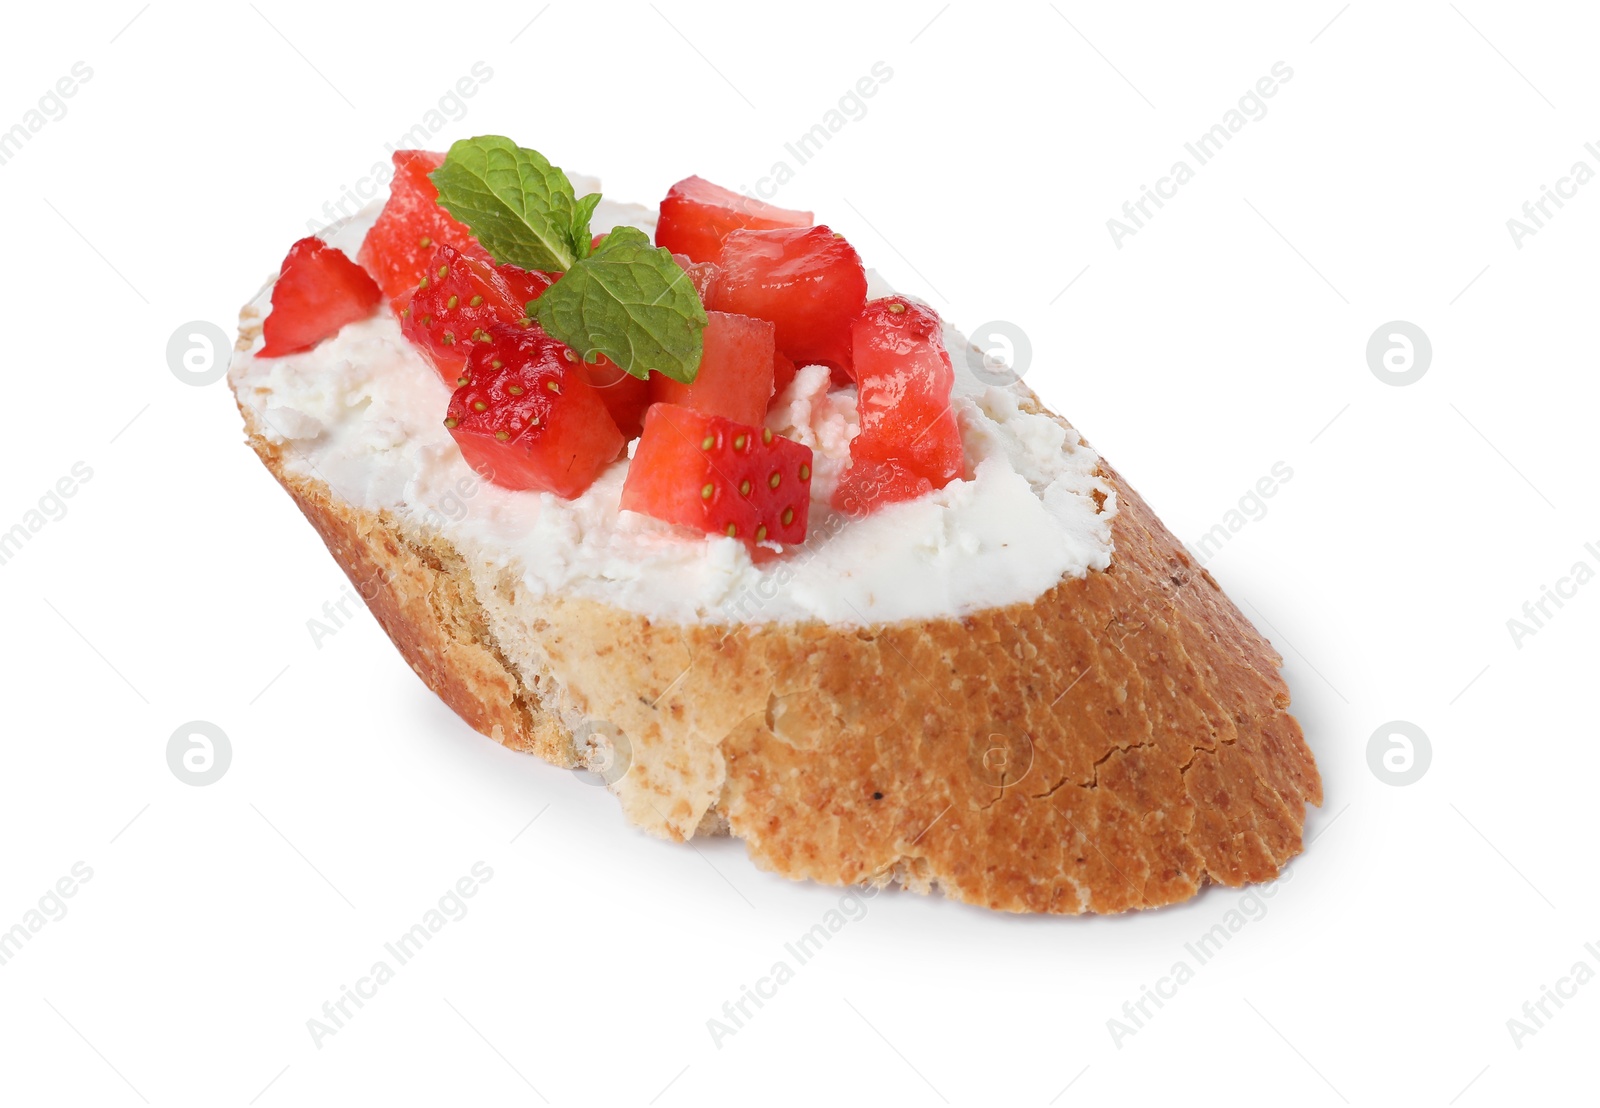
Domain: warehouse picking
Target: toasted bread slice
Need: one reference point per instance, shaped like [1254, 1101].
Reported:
[1118, 742]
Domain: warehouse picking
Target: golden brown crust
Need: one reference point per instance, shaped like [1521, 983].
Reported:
[1118, 743]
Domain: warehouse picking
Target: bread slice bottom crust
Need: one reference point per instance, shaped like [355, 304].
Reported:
[1118, 743]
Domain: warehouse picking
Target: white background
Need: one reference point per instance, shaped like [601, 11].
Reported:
[1225, 336]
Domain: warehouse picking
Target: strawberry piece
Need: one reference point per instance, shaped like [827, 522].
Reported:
[527, 418]
[526, 285]
[868, 485]
[809, 282]
[783, 371]
[459, 299]
[735, 375]
[401, 243]
[697, 216]
[718, 476]
[318, 291]
[909, 442]
[702, 274]
[625, 396]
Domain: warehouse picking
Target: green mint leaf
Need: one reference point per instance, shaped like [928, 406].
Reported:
[631, 302]
[518, 206]
[582, 211]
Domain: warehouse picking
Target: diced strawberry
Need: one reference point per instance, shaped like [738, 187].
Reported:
[783, 371]
[526, 285]
[697, 215]
[718, 476]
[459, 298]
[909, 442]
[702, 274]
[808, 282]
[318, 291]
[735, 376]
[527, 418]
[868, 485]
[626, 397]
[401, 243]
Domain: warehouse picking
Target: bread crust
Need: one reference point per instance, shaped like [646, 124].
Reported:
[1118, 743]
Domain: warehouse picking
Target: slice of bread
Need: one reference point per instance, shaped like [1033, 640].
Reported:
[1118, 743]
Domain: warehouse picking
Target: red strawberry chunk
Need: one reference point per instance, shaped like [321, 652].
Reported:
[809, 282]
[697, 215]
[909, 442]
[783, 371]
[400, 245]
[526, 285]
[625, 396]
[318, 291]
[718, 476]
[459, 299]
[527, 417]
[702, 274]
[868, 485]
[735, 375]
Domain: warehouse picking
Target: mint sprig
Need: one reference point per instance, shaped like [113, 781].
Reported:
[631, 302]
[519, 206]
[627, 299]
[582, 211]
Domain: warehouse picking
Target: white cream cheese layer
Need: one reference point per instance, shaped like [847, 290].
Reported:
[363, 412]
